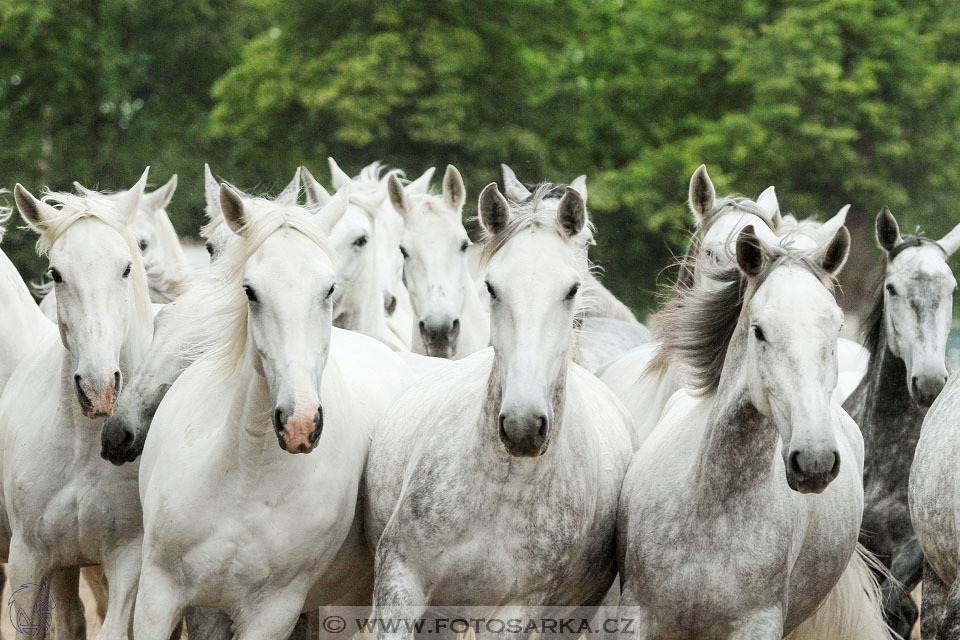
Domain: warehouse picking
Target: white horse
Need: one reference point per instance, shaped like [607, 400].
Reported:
[231, 520]
[168, 270]
[739, 516]
[495, 482]
[450, 319]
[64, 507]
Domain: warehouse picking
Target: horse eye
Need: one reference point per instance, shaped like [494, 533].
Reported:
[209, 249]
[251, 294]
[56, 275]
[143, 245]
[126, 272]
[404, 252]
[573, 291]
[892, 290]
[330, 292]
[464, 245]
[491, 290]
[359, 242]
[758, 332]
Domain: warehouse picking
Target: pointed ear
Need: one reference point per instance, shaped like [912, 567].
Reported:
[338, 177]
[493, 209]
[82, 190]
[454, 193]
[888, 231]
[129, 202]
[951, 241]
[749, 251]
[317, 196]
[291, 192]
[767, 202]
[513, 187]
[831, 226]
[333, 210]
[34, 212]
[835, 254]
[702, 194]
[421, 184]
[159, 198]
[572, 212]
[579, 184]
[211, 190]
[232, 206]
[399, 198]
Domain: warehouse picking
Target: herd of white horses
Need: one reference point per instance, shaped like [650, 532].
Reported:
[483, 423]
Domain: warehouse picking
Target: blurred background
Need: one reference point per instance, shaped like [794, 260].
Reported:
[832, 101]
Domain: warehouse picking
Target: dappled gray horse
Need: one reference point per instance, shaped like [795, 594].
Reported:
[906, 335]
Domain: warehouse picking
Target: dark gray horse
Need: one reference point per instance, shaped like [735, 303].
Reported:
[906, 335]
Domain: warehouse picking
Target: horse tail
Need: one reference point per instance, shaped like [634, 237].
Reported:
[852, 609]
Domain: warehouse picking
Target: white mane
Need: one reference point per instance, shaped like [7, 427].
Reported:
[219, 294]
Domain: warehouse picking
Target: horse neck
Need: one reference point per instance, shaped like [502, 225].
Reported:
[365, 313]
[739, 443]
[21, 323]
[881, 405]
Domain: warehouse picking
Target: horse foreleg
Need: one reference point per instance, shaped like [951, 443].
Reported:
[208, 624]
[906, 570]
[29, 584]
[159, 608]
[68, 619]
[122, 568]
[274, 617]
[763, 625]
[933, 601]
[398, 597]
[97, 581]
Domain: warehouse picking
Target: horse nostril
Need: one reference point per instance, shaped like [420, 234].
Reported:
[456, 324]
[503, 432]
[278, 420]
[116, 380]
[835, 471]
[914, 384]
[542, 431]
[391, 305]
[423, 325]
[795, 463]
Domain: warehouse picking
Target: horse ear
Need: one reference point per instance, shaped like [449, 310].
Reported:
[831, 226]
[950, 242]
[454, 193]
[421, 184]
[888, 231]
[333, 210]
[338, 177]
[572, 212]
[159, 198]
[493, 209]
[513, 187]
[316, 194]
[290, 193]
[129, 202]
[770, 206]
[82, 190]
[399, 198]
[702, 194]
[211, 191]
[749, 251]
[232, 206]
[35, 212]
[835, 255]
[579, 184]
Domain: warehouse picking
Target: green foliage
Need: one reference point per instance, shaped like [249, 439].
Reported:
[833, 101]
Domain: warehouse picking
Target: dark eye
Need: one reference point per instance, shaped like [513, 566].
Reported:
[251, 294]
[126, 272]
[573, 291]
[463, 247]
[404, 253]
[330, 292]
[56, 275]
[491, 290]
[209, 249]
[758, 332]
[892, 290]
[359, 242]
[143, 245]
